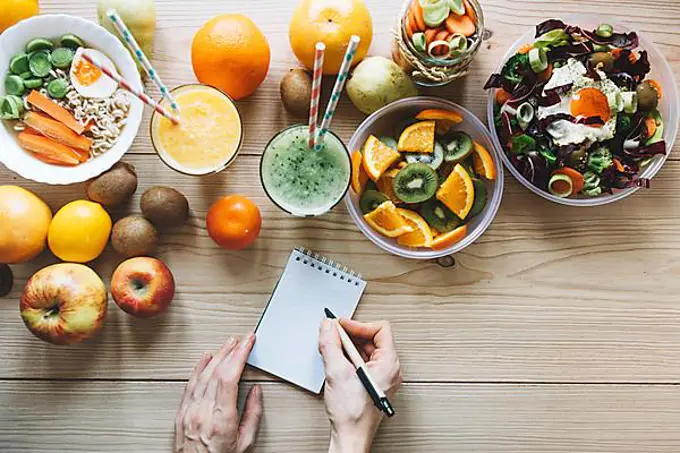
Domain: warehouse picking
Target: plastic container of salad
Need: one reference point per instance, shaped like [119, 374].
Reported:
[382, 123]
[669, 106]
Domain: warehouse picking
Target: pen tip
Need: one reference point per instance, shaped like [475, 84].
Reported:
[329, 314]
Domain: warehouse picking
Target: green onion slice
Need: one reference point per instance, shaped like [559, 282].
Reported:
[458, 44]
[433, 45]
[556, 191]
[457, 7]
[525, 115]
[419, 42]
[538, 59]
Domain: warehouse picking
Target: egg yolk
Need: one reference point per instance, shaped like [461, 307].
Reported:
[590, 102]
[86, 73]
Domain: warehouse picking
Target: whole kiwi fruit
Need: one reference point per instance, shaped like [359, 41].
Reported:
[114, 187]
[134, 236]
[6, 280]
[165, 206]
[296, 92]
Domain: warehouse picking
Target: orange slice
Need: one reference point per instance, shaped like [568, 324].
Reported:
[387, 221]
[422, 234]
[418, 138]
[440, 114]
[444, 241]
[359, 175]
[483, 162]
[458, 192]
[378, 157]
[386, 185]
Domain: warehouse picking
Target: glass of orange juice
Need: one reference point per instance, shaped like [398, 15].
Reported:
[208, 137]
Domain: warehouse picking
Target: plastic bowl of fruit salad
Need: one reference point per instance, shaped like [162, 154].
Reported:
[426, 178]
[585, 110]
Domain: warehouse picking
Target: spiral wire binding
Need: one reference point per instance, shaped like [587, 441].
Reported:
[343, 271]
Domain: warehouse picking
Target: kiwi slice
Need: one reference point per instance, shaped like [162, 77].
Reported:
[370, 200]
[371, 185]
[433, 160]
[416, 183]
[439, 216]
[480, 198]
[389, 141]
[459, 147]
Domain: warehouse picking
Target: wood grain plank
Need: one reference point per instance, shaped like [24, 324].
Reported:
[547, 294]
[506, 21]
[138, 417]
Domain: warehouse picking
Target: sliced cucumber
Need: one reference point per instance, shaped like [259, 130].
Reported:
[538, 59]
[433, 160]
[40, 64]
[458, 148]
[19, 64]
[32, 84]
[39, 44]
[435, 12]
[62, 57]
[57, 88]
[14, 85]
[71, 41]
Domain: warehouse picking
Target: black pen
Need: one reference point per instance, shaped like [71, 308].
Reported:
[377, 395]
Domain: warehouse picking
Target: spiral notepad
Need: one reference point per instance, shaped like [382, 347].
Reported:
[288, 331]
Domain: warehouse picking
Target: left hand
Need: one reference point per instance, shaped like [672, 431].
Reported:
[208, 420]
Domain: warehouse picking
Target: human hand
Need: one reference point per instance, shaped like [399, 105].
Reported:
[208, 420]
[353, 416]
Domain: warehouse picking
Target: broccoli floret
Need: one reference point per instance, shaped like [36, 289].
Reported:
[600, 159]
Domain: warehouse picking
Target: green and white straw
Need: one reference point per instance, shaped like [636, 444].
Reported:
[131, 42]
[337, 90]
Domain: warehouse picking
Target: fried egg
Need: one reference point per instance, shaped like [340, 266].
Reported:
[587, 98]
[88, 80]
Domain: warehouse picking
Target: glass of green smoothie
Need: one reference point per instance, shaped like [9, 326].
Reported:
[301, 181]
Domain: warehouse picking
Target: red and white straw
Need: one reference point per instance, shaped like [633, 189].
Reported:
[337, 90]
[317, 75]
[128, 87]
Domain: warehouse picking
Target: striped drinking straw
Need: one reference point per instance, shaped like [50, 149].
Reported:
[317, 75]
[127, 86]
[337, 89]
[131, 42]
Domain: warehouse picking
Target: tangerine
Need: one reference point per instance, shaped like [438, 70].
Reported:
[234, 222]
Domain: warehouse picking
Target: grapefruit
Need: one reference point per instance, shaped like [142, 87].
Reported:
[24, 223]
[332, 22]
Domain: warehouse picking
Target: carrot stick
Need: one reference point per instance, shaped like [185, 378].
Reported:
[441, 36]
[410, 25]
[49, 150]
[470, 11]
[55, 111]
[57, 131]
[430, 34]
[461, 24]
[418, 15]
[618, 165]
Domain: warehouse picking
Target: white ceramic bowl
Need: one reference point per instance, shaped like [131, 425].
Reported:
[384, 122]
[668, 107]
[14, 40]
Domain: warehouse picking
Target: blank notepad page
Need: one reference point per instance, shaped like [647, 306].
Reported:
[288, 332]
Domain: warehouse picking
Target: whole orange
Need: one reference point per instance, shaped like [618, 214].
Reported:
[234, 222]
[332, 22]
[230, 53]
[24, 223]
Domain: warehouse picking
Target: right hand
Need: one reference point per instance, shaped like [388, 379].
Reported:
[353, 416]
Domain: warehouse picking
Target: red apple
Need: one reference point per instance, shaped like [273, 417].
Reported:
[143, 287]
[64, 303]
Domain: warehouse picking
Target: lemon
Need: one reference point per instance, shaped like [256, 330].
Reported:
[12, 11]
[79, 231]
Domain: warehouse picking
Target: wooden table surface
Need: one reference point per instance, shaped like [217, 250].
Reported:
[558, 331]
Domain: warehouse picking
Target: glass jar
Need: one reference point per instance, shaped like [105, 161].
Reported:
[427, 70]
